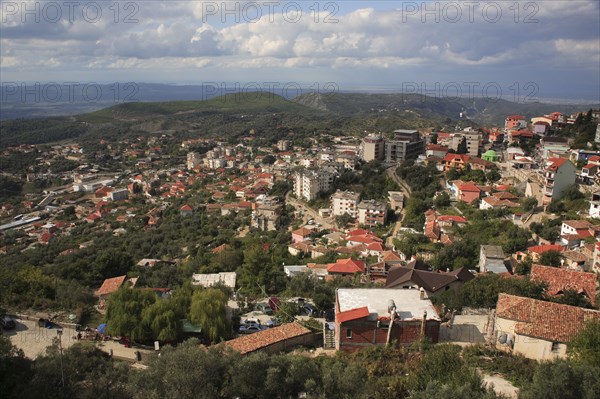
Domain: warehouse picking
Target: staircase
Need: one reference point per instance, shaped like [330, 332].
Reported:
[328, 337]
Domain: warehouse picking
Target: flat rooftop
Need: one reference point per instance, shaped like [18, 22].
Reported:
[408, 303]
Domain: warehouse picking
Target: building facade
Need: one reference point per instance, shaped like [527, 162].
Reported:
[344, 202]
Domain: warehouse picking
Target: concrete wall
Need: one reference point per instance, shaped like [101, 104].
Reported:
[532, 348]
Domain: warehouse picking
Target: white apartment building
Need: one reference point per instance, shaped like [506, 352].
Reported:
[372, 148]
[193, 160]
[557, 176]
[372, 213]
[309, 183]
[344, 202]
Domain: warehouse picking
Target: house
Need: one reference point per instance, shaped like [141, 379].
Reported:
[557, 176]
[228, 279]
[277, 339]
[537, 329]
[514, 121]
[536, 251]
[467, 192]
[574, 232]
[266, 217]
[372, 213]
[402, 277]
[396, 200]
[186, 211]
[109, 286]
[346, 267]
[594, 211]
[491, 259]
[560, 280]
[555, 145]
[366, 317]
[436, 150]
[301, 234]
[456, 161]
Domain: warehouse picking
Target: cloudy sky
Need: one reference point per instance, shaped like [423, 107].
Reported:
[547, 49]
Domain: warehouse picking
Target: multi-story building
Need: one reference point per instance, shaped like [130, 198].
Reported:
[309, 183]
[372, 213]
[557, 176]
[473, 140]
[344, 202]
[406, 144]
[515, 122]
[372, 148]
[266, 217]
[554, 145]
[283, 145]
[193, 160]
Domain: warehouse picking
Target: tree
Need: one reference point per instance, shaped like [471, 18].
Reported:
[342, 221]
[125, 313]
[585, 347]
[209, 310]
[161, 318]
[551, 258]
[493, 176]
[442, 200]
[462, 147]
[529, 204]
[562, 379]
[15, 369]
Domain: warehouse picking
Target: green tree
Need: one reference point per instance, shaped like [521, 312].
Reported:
[125, 310]
[585, 346]
[161, 318]
[209, 310]
[563, 380]
[551, 258]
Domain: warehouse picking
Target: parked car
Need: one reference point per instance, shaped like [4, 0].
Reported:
[264, 307]
[251, 328]
[8, 323]
[309, 310]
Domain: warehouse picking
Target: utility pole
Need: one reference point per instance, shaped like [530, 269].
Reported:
[59, 332]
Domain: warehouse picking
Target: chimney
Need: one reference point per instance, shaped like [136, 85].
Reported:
[423, 323]
[421, 293]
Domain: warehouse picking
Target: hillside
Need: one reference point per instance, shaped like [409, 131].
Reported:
[483, 111]
[272, 117]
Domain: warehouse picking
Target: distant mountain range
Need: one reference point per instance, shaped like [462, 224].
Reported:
[200, 110]
[47, 100]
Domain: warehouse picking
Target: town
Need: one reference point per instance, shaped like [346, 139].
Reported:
[485, 237]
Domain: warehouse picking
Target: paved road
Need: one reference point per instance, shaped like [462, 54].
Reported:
[406, 191]
[309, 213]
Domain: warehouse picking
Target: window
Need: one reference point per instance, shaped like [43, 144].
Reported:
[348, 333]
[555, 346]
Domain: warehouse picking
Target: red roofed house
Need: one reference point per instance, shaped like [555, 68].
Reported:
[109, 286]
[536, 251]
[468, 192]
[363, 317]
[515, 121]
[276, 339]
[536, 329]
[346, 267]
[456, 161]
[558, 175]
[300, 235]
[560, 280]
[186, 210]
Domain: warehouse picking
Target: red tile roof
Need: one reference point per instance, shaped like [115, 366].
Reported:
[110, 285]
[352, 314]
[546, 320]
[347, 266]
[556, 163]
[303, 232]
[560, 280]
[452, 218]
[540, 249]
[262, 339]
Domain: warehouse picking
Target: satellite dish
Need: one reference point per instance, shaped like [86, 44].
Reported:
[502, 339]
[391, 306]
[510, 340]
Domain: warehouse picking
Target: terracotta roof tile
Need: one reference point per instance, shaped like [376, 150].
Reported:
[546, 320]
[262, 339]
[110, 285]
[560, 280]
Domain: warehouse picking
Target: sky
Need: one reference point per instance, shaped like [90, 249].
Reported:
[522, 49]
